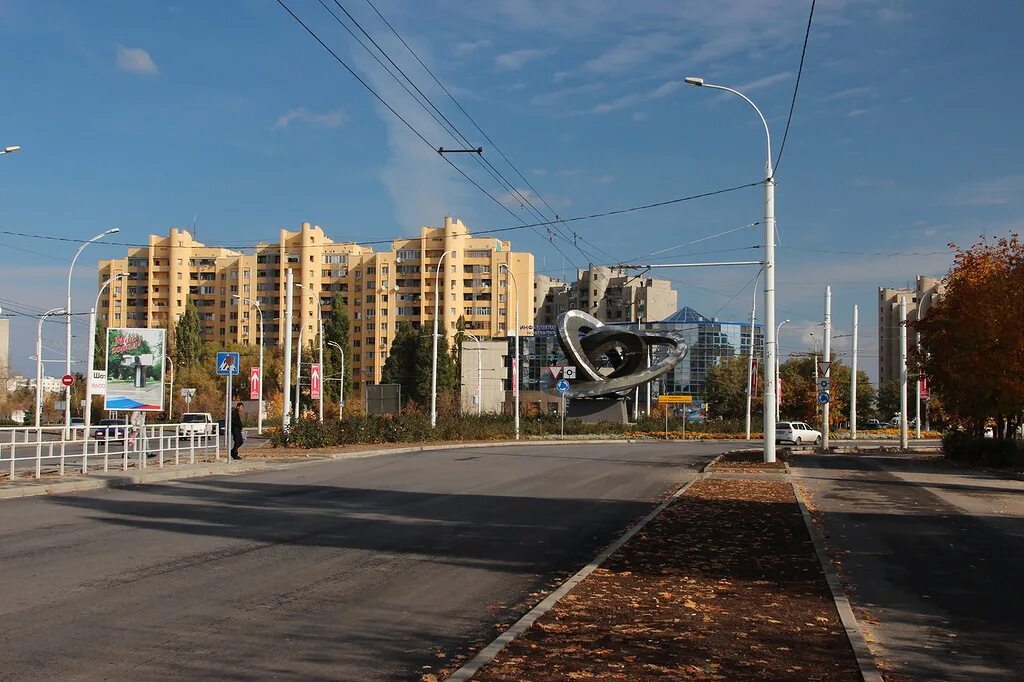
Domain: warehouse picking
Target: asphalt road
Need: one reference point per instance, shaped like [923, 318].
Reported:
[934, 554]
[356, 569]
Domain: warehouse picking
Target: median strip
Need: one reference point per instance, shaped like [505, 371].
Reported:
[724, 584]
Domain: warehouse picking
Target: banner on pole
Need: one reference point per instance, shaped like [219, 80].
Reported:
[314, 381]
[254, 383]
[135, 369]
[98, 382]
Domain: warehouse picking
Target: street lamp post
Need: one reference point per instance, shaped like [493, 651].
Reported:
[39, 363]
[67, 324]
[10, 149]
[515, 360]
[170, 397]
[778, 402]
[341, 385]
[92, 350]
[479, 374]
[750, 356]
[256, 304]
[438, 284]
[320, 359]
[770, 350]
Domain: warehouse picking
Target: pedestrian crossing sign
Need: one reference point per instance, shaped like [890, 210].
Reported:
[227, 363]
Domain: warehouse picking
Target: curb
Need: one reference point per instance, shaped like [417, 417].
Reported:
[102, 481]
[489, 652]
[707, 467]
[865, 661]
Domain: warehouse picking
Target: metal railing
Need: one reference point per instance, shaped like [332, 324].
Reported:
[45, 449]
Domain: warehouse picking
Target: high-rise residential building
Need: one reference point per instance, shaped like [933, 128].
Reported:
[609, 294]
[380, 289]
[918, 301]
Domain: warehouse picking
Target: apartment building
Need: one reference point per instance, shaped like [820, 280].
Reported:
[918, 301]
[379, 289]
[609, 294]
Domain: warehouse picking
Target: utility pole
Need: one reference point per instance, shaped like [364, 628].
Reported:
[286, 404]
[750, 356]
[917, 379]
[903, 374]
[853, 379]
[298, 378]
[827, 358]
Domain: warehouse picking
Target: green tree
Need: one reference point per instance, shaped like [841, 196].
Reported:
[336, 329]
[99, 353]
[400, 365]
[188, 342]
[725, 389]
[888, 400]
[460, 341]
[447, 377]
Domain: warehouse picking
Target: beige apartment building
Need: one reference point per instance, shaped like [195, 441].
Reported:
[380, 289]
[609, 294]
[918, 301]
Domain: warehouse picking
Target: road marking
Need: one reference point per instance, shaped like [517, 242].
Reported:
[489, 652]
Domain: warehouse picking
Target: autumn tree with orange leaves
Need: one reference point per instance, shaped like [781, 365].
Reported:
[972, 339]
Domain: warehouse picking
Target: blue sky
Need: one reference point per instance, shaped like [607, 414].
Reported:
[907, 134]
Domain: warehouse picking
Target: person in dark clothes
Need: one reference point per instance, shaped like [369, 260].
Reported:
[236, 431]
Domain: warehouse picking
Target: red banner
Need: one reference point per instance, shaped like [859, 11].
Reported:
[254, 383]
[314, 381]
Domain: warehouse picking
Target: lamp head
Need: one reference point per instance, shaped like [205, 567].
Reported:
[13, 148]
[113, 230]
[694, 80]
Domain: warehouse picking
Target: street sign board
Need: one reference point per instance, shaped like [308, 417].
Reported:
[924, 388]
[562, 385]
[824, 384]
[67, 379]
[823, 398]
[315, 380]
[254, 383]
[568, 372]
[555, 370]
[823, 367]
[674, 399]
[187, 393]
[227, 363]
[98, 384]
[135, 369]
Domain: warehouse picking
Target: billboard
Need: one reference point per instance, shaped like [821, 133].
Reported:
[135, 369]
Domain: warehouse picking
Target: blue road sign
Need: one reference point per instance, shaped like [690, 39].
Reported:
[227, 363]
[823, 398]
[562, 385]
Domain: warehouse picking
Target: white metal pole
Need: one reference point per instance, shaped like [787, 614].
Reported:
[67, 325]
[917, 381]
[287, 386]
[750, 355]
[827, 355]
[87, 412]
[903, 374]
[853, 378]
[438, 283]
[341, 385]
[259, 417]
[778, 386]
[39, 362]
[298, 378]
[320, 361]
[170, 401]
[515, 362]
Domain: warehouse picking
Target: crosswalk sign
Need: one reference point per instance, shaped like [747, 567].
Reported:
[227, 363]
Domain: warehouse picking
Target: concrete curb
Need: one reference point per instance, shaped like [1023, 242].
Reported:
[10, 491]
[865, 661]
[489, 652]
[707, 467]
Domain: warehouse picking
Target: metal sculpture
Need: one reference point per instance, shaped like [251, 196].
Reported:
[585, 340]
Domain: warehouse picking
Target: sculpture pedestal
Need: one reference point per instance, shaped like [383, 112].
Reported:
[598, 410]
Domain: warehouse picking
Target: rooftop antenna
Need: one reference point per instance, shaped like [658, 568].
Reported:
[195, 223]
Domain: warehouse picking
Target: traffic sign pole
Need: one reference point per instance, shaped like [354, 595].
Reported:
[227, 417]
[828, 358]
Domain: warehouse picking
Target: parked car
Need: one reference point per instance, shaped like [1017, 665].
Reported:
[196, 424]
[110, 429]
[796, 433]
[871, 425]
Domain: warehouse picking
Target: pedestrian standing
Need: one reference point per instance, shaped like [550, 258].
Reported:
[237, 438]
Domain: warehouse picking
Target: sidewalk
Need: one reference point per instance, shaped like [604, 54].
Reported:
[932, 558]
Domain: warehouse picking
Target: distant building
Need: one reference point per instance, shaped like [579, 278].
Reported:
[920, 298]
[50, 384]
[380, 289]
[609, 294]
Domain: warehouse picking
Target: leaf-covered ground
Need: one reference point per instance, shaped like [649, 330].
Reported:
[723, 585]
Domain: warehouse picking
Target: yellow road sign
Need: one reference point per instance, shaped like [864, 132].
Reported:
[671, 399]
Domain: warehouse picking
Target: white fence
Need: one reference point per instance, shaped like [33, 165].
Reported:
[54, 449]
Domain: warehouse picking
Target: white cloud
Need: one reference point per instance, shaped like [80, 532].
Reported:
[666, 89]
[559, 76]
[519, 198]
[990, 192]
[135, 60]
[328, 119]
[638, 116]
[620, 103]
[604, 180]
[540, 172]
[848, 93]
[764, 82]
[631, 52]
[893, 15]
[517, 59]
[467, 48]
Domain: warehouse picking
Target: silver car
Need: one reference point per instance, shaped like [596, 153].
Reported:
[796, 433]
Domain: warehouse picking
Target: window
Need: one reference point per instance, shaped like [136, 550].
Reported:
[408, 254]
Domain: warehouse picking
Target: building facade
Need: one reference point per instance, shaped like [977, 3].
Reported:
[379, 289]
[610, 294]
[918, 301]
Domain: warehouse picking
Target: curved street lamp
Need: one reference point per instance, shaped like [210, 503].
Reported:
[770, 350]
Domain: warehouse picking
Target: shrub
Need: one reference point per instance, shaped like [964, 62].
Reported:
[965, 448]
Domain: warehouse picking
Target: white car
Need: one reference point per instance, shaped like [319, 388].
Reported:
[796, 433]
[196, 424]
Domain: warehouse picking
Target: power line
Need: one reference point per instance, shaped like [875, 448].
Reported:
[796, 88]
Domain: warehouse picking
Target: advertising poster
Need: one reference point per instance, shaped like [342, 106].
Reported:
[135, 369]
